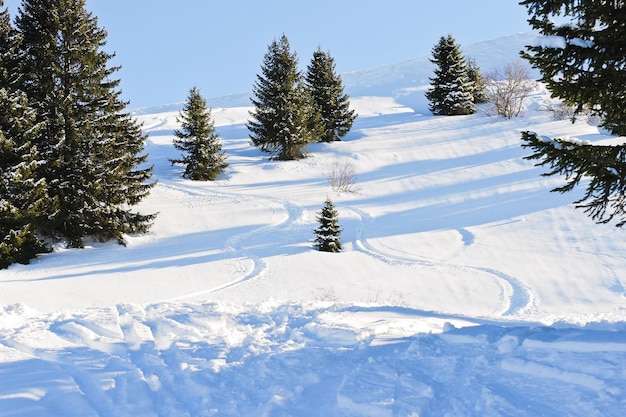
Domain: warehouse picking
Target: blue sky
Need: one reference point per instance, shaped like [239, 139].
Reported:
[166, 47]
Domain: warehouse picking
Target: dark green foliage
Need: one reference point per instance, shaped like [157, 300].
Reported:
[283, 111]
[451, 91]
[328, 232]
[477, 78]
[9, 41]
[604, 166]
[23, 198]
[20, 246]
[198, 140]
[331, 104]
[584, 65]
[92, 149]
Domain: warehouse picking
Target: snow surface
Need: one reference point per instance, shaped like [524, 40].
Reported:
[465, 287]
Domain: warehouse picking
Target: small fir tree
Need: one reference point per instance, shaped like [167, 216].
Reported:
[451, 91]
[90, 147]
[328, 232]
[283, 111]
[331, 104]
[203, 155]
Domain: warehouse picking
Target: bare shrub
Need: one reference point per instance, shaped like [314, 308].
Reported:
[508, 87]
[563, 111]
[342, 176]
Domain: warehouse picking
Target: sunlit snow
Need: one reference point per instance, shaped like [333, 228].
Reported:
[465, 287]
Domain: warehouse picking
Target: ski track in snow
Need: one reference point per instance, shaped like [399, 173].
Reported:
[181, 357]
[521, 298]
[235, 246]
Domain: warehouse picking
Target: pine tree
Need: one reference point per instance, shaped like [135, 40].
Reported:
[22, 197]
[328, 232]
[451, 91]
[204, 158]
[585, 68]
[480, 84]
[331, 104]
[283, 108]
[91, 147]
[604, 168]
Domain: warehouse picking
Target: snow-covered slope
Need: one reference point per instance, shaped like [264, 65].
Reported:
[466, 288]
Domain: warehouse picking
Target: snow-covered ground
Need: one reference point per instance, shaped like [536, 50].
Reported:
[466, 288]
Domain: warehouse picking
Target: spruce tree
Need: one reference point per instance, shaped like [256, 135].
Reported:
[328, 232]
[94, 166]
[23, 198]
[585, 68]
[331, 104]
[203, 155]
[283, 111]
[480, 84]
[451, 91]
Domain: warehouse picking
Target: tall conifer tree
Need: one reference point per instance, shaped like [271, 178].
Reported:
[22, 196]
[586, 68]
[92, 147]
[452, 91]
[331, 104]
[203, 155]
[283, 109]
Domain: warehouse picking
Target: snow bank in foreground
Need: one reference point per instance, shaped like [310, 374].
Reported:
[295, 360]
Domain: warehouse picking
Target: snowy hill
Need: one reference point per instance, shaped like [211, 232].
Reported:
[466, 288]
[404, 81]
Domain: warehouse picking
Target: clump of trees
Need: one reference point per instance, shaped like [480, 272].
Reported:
[72, 162]
[453, 88]
[329, 231]
[202, 151]
[291, 110]
[584, 70]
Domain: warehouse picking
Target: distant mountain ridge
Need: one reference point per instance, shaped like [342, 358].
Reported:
[405, 81]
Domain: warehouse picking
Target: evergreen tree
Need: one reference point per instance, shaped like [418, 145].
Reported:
[91, 147]
[331, 104]
[283, 111]
[603, 166]
[9, 41]
[328, 232]
[477, 78]
[22, 197]
[585, 68]
[451, 91]
[204, 158]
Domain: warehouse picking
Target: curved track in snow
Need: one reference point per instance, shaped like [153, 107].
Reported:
[515, 297]
[235, 246]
